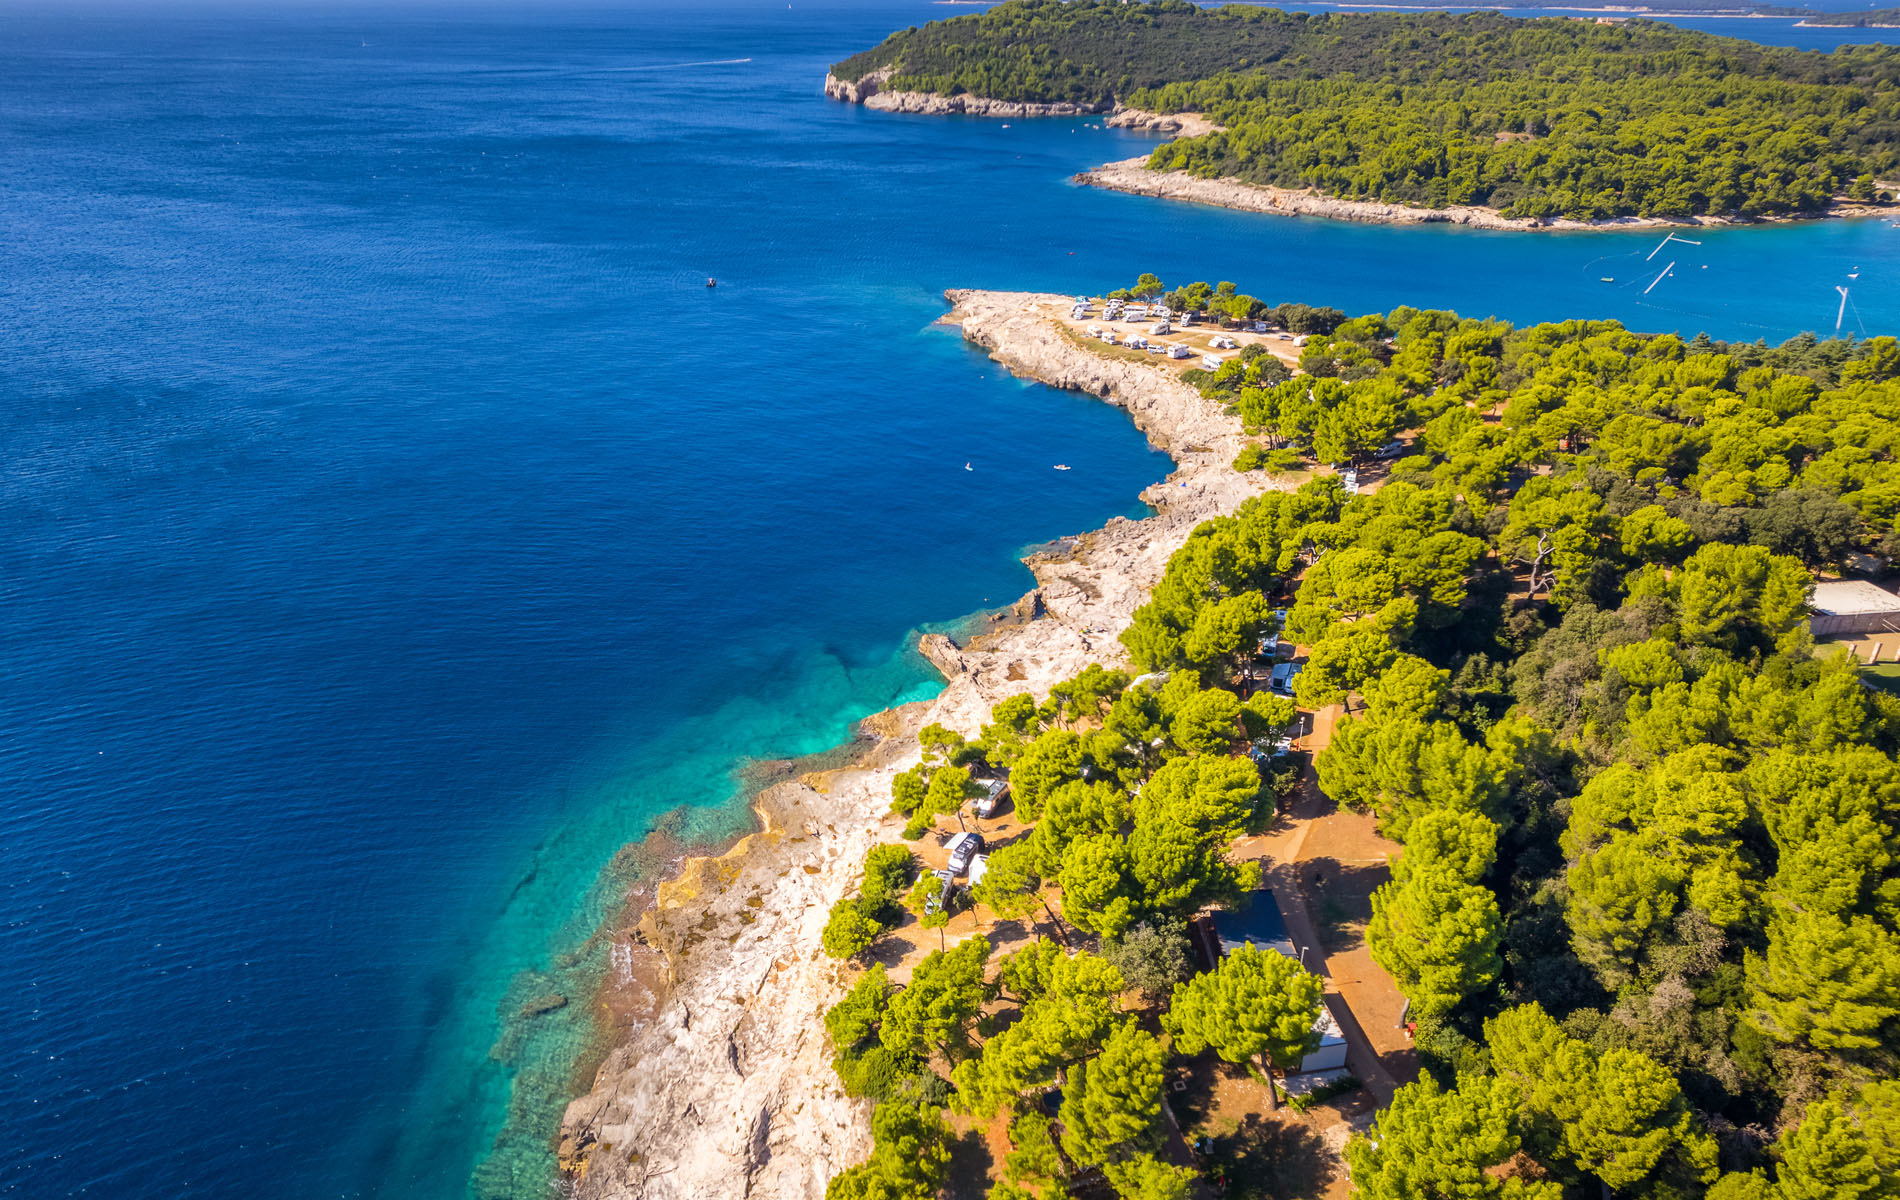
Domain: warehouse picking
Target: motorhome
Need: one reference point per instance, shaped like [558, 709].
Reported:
[993, 792]
[1283, 675]
[963, 847]
[1179, 351]
[1211, 361]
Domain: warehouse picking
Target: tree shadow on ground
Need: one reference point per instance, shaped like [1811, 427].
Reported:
[970, 1163]
[1270, 1159]
[1339, 898]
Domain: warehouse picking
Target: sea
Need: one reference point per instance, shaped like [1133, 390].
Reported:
[396, 524]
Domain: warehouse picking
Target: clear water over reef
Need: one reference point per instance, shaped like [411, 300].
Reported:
[396, 525]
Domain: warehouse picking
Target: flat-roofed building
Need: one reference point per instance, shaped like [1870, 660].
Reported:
[1843, 608]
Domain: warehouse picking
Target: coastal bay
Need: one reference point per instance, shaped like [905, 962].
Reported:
[728, 1090]
[391, 500]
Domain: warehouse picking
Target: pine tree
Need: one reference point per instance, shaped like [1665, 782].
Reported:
[1112, 1104]
[1618, 1114]
[854, 1019]
[849, 932]
[1033, 1157]
[946, 993]
[909, 1158]
[1828, 981]
[1255, 1003]
[1431, 1144]
[1145, 1177]
[1097, 892]
[1437, 936]
[1829, 1156]
[1620, 896]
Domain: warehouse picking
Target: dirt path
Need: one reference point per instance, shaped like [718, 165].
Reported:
[1323, 864]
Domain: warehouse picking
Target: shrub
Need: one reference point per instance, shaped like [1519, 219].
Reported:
[887, 872]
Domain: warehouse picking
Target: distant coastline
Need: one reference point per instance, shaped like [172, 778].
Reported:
[1133, 177]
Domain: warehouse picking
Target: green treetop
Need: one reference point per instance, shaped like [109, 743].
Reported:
[1112, 1104]
[946, 993]
[1431, 1144]
[1617, 1114]
[1825, 981]
[1437, 935]
[909, 1158]
[1256, 1003]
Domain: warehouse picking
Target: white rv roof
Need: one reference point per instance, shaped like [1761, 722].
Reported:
[1839, 598]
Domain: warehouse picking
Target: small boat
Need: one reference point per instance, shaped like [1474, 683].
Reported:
[1607, 279]
[966, 466]
[1062, 466]
[711, 282]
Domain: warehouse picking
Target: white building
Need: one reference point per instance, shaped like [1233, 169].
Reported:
[1853, 606]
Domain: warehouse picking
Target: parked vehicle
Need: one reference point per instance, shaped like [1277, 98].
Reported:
[1211, 361]
[1179, 351]
[993, 792]
[1283, 675]
[1136, 342]
[963, 847]
[1392, 449]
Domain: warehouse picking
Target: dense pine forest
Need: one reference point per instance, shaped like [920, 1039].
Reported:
[1537, 118]
[1647, 907]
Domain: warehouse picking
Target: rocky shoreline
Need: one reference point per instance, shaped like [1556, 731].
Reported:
[727, 1091]
[1132, 175]
[869, 91]
[1174, 125]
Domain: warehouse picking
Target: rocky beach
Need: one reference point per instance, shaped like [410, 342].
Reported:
[727, 1090]
[870, 92]
[1132, 175]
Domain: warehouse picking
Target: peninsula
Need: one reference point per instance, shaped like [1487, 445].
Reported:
[729, 1091]
[1486, 119]
[1451, 751]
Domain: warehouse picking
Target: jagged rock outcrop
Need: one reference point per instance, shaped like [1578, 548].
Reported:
[870, 92]
[1182, 124]
[728, 1092]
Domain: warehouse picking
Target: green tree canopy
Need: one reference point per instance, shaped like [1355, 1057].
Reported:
[1431, 1144]
[1255, 1003]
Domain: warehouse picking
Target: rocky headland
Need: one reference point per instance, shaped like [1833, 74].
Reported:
[1177, 125]
[727, 1090]
[1133, 176]
[870, 92]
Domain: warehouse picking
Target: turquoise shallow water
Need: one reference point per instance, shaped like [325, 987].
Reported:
[396, 527]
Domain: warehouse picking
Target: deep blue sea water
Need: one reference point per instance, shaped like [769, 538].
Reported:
[393, 525]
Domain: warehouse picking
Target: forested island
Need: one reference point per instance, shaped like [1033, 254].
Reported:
[1646, 906]
[1878, 18]
[1532, 118]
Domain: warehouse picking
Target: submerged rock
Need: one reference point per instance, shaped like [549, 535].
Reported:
[551, 1002]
